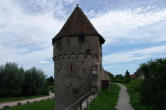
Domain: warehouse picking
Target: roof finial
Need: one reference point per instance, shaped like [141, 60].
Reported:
[77, 4]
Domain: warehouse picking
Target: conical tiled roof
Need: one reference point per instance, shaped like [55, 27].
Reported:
[77, 24]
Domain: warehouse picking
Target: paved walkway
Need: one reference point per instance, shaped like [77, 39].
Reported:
[22, 102]
[124, 99]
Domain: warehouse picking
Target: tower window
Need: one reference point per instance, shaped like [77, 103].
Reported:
[81, 38]
[71, 68]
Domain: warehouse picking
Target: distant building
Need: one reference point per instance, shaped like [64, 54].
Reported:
[77, 54]
[132, 76]
[105, 79]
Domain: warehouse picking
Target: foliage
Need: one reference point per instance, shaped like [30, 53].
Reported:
[11, 79]
[107, 99]
[51, 88]
[42, 105]
[34, 82]
[127, 76]
[118, 78]
[121, 79]
[133, 88]
[153, 88]
[50, 81]
[15, 81]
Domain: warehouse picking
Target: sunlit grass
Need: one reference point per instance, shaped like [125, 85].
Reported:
[107, 99]
[135, 98]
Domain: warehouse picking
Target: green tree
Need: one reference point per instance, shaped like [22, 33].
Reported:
[34, 82]
[11, 79]
[15, 81]
[127, 76]
[50, 81]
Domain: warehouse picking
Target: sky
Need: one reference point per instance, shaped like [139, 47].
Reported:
[134, 31]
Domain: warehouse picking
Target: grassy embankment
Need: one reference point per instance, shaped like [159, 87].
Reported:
[133, 89]
[107, 99]
[10, 99]
[42, 105]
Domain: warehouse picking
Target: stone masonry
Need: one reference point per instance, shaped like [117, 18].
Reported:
[77, 54]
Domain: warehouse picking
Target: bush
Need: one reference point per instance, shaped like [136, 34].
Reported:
[133, 88]
[153, 87]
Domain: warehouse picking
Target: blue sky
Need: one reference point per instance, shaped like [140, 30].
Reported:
[134, 31]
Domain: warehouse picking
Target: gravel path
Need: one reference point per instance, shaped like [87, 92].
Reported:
[124, 99]
[22, 102]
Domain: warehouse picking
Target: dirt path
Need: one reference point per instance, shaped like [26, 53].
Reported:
[124, 99]
[22, 102]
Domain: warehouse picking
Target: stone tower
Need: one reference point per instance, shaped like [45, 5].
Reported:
[77, 54]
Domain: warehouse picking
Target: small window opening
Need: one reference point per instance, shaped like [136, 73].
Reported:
[81, 38]
[71, 68]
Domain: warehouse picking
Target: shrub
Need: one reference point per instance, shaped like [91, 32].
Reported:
[153, 87]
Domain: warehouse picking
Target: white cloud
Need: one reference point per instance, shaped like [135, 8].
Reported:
[44, 62]
[117, 25]
[69, 1]
[26, 34]
[133, 55]
[19, 30]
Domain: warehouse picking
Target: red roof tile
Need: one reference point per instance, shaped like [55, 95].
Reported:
[77, 24]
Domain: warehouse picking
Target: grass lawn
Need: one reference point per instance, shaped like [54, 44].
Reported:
[2, 100]
[42, 105]
[135, 99]
[107, 99]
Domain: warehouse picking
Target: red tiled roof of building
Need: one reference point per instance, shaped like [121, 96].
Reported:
[132, 76]
[77, 24]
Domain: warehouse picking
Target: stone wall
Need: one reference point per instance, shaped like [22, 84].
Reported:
[78, 68]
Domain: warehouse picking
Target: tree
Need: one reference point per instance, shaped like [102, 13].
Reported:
[34, 82]
[15, 81]
[11, 80]
[50, 81]
[118, 76]
[127, 76]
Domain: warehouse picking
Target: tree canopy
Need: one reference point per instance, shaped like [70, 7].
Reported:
[15, 81]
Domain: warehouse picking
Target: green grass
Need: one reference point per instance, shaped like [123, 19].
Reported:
[107, 99]
[135, 98]
[10, 99]
[42, 105]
